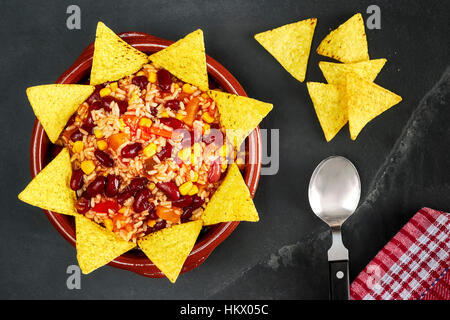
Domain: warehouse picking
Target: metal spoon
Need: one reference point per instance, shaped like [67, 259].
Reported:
[334, 192]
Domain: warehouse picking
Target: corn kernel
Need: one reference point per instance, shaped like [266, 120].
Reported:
[179, 116]
[122, 210]
[98, 133]
[105, 92]
[151, 223]
[87, 166]
[207, 117]
[150, 150]
[195, 178]
[152, 77]
[184, 154]
[206, 128]
[134, 98]
[188, 88]
[185, 188]
[113, 86]
[196, 153]
[102, 145]
[164, 114]
[78, 146]
[122, 124]
[193, 190]
[145, 122]
[204, 95]
[176, 86]
[78, 119]
[151, 186]
[140, 73]
[223, 151]
[108, 224]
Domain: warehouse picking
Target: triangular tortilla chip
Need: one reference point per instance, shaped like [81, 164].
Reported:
[366, 100]
[185, 59]
[50, 189]
[54, 104]
[231, 201]
[290, 45]
[239, 115]
[347, 43]
[113, 57]
[96, 246]
[329, 101]
[335, 73]
[169, 247]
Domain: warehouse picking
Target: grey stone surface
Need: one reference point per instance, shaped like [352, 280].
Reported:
[402, 156]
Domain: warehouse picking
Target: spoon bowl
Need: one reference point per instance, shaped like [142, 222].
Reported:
[334, 192]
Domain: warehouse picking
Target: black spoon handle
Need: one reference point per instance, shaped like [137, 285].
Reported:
[339, 281]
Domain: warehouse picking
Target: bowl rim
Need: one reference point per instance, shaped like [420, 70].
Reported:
[203, 248]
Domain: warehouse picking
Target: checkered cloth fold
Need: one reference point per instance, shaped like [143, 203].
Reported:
[413, 265]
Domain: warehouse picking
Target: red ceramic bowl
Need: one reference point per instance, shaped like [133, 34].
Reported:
[135, 260]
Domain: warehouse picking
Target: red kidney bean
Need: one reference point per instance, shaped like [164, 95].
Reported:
[154, 111]
[97, 186]
[214, 172]
[141, 202]
[187, 214]
[131, 150]
[173, 104]
[123, 106]
[170, 189]
[124, 195]
[152, 213]
[112, 185]
[214, 136]
[72, 119]
[106, 101]
[172, 122]
[166, 152]
[96, 105]
[76, 181]
[137, 184]
[83, 205]
[104, 158]
[88, 124]
[164, 79]
[161, 224]
[197, 202]
[184, 201]
[132, 188]
[76, 136]
[140, 81]
[95, 95]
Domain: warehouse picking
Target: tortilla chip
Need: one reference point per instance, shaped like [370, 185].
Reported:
[54, 104]
[366, 100]
[239, 115]
[336, 73]
[329, 101]
[231, 201]
[113, 57]
[168, 248]
[347, 43]
[50, 189]
[290, 45]
[96, 246]
[185, 59]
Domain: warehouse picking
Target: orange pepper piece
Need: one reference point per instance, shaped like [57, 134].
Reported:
[169, 214]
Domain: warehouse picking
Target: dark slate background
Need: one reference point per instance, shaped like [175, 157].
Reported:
[403, 162]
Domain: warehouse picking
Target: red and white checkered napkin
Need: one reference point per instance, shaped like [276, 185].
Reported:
[413, 265]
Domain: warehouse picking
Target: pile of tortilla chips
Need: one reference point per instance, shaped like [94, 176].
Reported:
[350, 94]
[113, 59]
